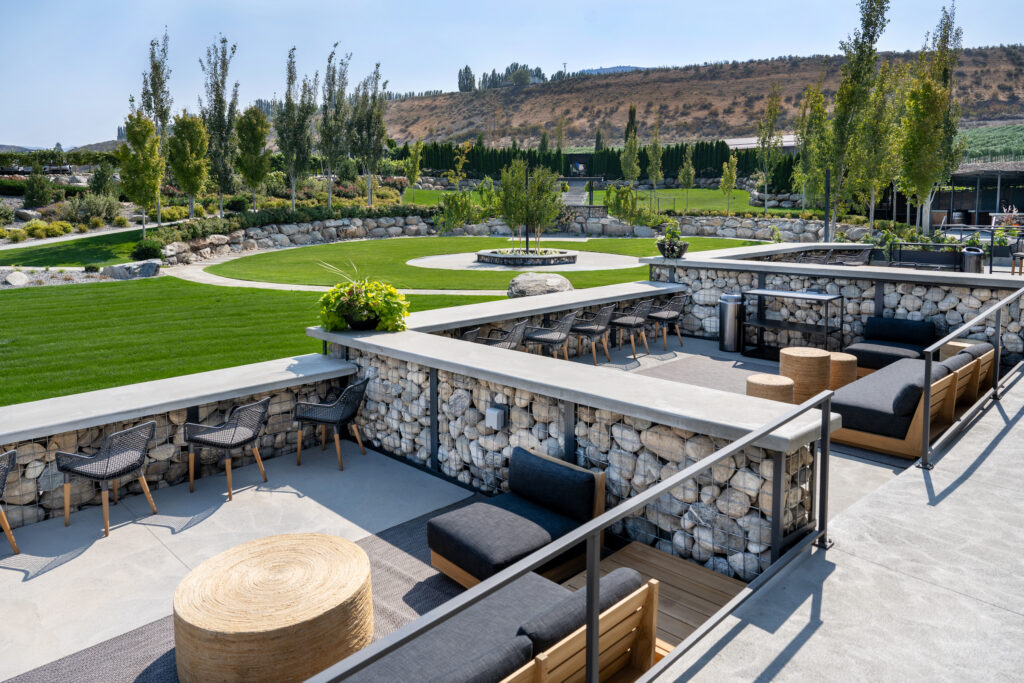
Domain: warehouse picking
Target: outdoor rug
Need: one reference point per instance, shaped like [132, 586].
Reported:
[404, 587]
[724, 374]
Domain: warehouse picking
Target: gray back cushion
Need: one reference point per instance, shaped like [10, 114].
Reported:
[919, 332]
[976, 350]
[907, 377]
[566, 490]
[568, 614]
[957, 362]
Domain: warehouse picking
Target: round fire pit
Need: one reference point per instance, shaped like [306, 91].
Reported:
[521, 257]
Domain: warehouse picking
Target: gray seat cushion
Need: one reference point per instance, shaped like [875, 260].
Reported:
[559, 487]
[877, 355]
[479, 644]
[569, 613]
[486, 537]
[884, 402]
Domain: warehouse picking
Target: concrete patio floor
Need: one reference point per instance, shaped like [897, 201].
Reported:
[71, 587]
[924, 581]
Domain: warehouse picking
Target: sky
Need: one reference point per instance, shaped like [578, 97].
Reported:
[67, 67]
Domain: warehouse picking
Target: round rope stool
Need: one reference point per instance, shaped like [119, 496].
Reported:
[807, 367]
[771, 387]
[842, 370]
[280, 608]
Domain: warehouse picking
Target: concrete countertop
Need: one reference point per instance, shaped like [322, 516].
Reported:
[698, 409]
[24, 421]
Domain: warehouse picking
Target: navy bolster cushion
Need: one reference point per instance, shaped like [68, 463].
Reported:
[565, 616]
[564, 489]
[976, 350]
[957, 362]
[917, 332]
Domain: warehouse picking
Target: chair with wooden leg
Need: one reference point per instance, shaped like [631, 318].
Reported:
[122, 456]
[337, 414]
[669, 314]
[634, 320]
[593, 327]
[7, 462]
[241, 429]
[554, 338]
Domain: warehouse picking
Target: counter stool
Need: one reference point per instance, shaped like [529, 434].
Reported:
[809, 369]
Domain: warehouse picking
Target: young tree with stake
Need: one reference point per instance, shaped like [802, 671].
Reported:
[686, 173]
[294, 124]
[253, 160]
[187, 150]
[654, 171]
[142, 167]
[219, 112]
[156, 97]
[769, 141]
[411, 166]
[629, 159]
[334, 117]
[728, 181]
[367, 132]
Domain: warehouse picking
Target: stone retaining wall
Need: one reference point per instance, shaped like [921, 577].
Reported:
[790, 229]
[35, 487]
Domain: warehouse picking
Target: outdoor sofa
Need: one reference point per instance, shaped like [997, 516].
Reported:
[531, 630]
[888, 340]
[885, 412]
[547, 498]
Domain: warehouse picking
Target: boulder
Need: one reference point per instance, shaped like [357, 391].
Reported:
[148, 268]
[16, 278]
[533, 284]
[116, 272]
[27, 215]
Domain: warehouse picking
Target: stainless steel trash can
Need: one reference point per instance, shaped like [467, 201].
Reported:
[973, 259]
[731, 313]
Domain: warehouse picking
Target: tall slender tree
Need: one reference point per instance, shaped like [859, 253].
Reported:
[686, 173]
[813, 137]
[944, 54]
[411, 166]
[367, 131]
[629, 159]
[219, 111]
[542, 147]
[156, 97]
[655, 174]
[728, 182]
[253, 161]
[873, 160]
[334, 113]
[187, 150]
[142, 167]
[769, 141]
[294, 124]
[630, 123]
[598, 141]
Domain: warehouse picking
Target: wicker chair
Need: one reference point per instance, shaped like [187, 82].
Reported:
[552, 337]
[594, 326]
[241, 429]
[669, 314]
[337, 414]
[505, 340]
[7, 462]
[634, 320]
[122, 456]
[470, 335]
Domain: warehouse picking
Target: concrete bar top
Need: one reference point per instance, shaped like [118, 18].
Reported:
[505, 309]
[24, 421]
[698, 409]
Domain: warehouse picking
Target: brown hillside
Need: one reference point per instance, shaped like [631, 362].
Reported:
[712, 101]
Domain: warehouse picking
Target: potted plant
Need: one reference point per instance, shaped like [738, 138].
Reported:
[671, 244]
[363, 305]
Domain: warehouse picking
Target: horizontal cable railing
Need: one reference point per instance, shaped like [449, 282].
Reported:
[591, 533]
[997, 310]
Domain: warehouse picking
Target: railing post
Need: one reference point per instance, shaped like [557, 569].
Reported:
[823, 455]
[593, 606]
[432, 407]
[926, 405]
[999, 353]
[778, 504]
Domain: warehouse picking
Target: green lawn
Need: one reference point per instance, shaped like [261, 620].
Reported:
[101, 250]
[386, 260]
[73, 338]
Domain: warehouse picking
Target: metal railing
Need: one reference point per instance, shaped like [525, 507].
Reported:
[795, 541]
[997, 310]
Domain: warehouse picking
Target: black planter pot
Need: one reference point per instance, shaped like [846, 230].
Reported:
[676, 250]
[362, 325]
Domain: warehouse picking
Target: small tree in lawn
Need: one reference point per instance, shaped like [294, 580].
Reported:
[769, 141]
[629, 159]
[219, 112]
[654, 171]
[294, 124]
[686, 173]
[411, 166]
[334, 117]
[511, 196]
[367, 132]
[156, 97]
[253, 160]
[728, 181]
[542, 200]
[186, 154]
[142, 167]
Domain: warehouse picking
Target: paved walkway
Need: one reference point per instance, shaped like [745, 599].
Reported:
[585, 260]
[71, 588]
[924, 581]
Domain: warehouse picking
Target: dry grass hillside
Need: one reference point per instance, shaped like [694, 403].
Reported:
[716, 100]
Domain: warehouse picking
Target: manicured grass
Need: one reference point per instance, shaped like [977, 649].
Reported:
[101, 250]
[73, 338]
[386, 260]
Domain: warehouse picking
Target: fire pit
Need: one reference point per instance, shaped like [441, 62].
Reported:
[521, 257]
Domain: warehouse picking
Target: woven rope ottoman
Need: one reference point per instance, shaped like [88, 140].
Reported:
[771, 387]
[809, 369]
[842, 369]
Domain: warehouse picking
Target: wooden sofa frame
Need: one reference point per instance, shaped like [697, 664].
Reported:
[627, 639]
[948, 397]
[557, 573]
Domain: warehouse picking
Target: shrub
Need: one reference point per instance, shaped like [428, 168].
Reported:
[6, 214]
[3, 234]
[169, 213]
[237, 203]
[121, 222]
[35, 228]
[95, 222]
[40, 229]
[102, 180]
[89, 206]
[81, 227]
[362, 300]
[39, 191]
[17, 235]
[92, 268]
[147, 249]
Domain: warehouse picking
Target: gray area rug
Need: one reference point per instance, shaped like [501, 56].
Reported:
[724, 374]
[404, 587]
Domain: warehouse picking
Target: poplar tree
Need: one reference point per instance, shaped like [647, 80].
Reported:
[156, 98]
[542, 147]
[629, 159]
[294, 124]
[219, 112]
[142, 167]
[367, 131]
[630, 123]
[728, 181]
[411, 166]
[598, 141]
[187, 150]
[334, 117]
[769, 141]
[686, 173]
[874, 160]
[253, 160]
[654, 151]
[813, 135]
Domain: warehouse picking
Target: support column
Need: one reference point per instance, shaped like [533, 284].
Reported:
[999, 187]
[432, 407]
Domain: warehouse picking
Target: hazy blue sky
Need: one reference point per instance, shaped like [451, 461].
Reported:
[68, 66]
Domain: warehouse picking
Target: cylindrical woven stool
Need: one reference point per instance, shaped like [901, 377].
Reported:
[280, 608]
[807, 367]
[771, 387]
[842, 370]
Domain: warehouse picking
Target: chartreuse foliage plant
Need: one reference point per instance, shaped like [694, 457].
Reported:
[364, 300]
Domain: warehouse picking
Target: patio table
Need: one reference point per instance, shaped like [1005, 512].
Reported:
[280, 608]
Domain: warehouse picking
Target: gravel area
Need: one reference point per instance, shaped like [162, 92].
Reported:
[47, 278]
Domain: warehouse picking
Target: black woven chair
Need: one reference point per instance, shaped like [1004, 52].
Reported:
[337, 414]
[505, 340]
[669, 314]
[1017, 256]
[552, 337]
[121, 456]
[470, 334]
[240, 429]
[634, 320]
[7, 462]
[593, 326]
